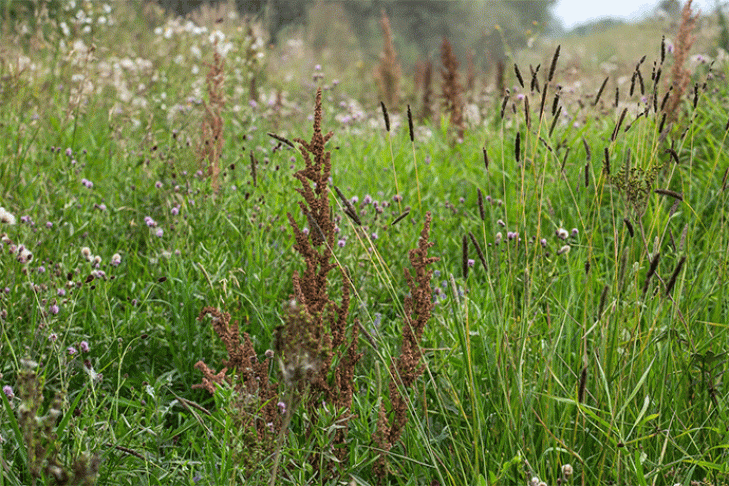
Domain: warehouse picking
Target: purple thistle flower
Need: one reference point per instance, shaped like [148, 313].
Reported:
[8, 391]
[160, 232]
[71, 350]
[341, 243]
[575, 232]
[84, 346]
[158, 185]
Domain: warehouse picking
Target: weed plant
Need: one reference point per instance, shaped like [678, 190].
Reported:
[534, 296]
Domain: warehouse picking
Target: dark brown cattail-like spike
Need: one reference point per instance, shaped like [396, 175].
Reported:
[401, 216]
[503, 103]
[603, 300]
[696, 94]
[682, 241]
[282, 139]
[486, 159]
[587, 174]
[587, 266]
[617, 125]
[553, 67]
[410, 125]
[535, 82]
[564, 160]
[555, 118]
[674, 275]
[651, 270]
[464, 248]
[663, 122]
[673, 155]
[665, 97]
[385, 115]
[629, 226]
[655, 98]
[544, 99]
[617, 96]
[518, 75]
[478, 251]
[254, 173]
[726, 126]
[723, 181]
[555, 102]
[517, 147]
[632, 83]
[481, 210]
[349, 209]
[606, 162]
[544, 142]
[599, 91]
[669, 193]
[588, 152]
[640, 82]
[663, 48]
[527, 118]
[583, 385]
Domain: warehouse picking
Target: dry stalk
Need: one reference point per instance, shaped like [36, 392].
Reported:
[451, 88]
[211, 143]
[408, 367]
[388, 72]
[680, 76]
[325, 320]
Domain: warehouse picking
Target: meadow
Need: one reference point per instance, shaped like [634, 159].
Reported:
[229, 263]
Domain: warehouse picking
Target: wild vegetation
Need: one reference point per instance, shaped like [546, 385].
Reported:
[228, 263]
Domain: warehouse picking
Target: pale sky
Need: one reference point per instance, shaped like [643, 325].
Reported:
[575, 12]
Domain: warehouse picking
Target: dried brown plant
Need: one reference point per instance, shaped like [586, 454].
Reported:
[388, 72]
[408, 367]
[426, 112]
[325, 320]
[451, 89]
[680, 76]
[211, 142]
[250, 376]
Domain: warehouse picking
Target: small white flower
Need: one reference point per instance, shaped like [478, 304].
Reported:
[6, 217]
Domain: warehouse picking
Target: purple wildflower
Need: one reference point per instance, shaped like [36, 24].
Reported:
[8, 391]
[84, 346]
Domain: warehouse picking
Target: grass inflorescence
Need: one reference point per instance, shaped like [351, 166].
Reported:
[520, 282]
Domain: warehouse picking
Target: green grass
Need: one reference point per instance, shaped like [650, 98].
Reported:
[548, 357]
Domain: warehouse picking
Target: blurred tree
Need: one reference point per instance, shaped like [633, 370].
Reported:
[489, 27]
